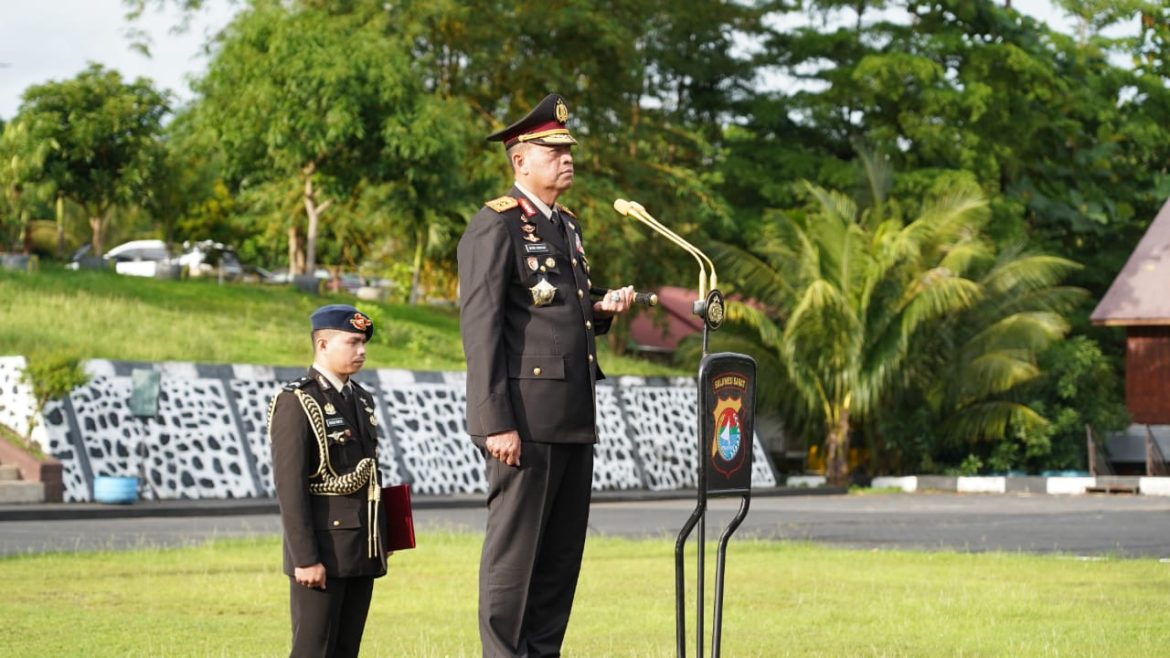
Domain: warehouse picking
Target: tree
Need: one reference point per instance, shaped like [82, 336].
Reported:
[323, 98]
[102, 136]
[851, 294]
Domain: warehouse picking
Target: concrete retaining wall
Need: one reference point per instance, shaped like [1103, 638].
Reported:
[209, 438]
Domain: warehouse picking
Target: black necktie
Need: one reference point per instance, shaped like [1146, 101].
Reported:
[559, 222]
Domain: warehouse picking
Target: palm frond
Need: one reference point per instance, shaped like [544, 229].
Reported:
[992, 373]
[991, 420]
[1027, 273]
[940, 294]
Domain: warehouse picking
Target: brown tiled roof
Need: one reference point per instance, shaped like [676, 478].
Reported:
[1140, 295]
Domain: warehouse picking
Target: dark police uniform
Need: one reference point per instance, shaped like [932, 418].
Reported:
[528, 333]
[324, 458]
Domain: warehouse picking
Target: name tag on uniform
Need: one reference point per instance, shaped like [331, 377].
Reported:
[336, 421]
[538, 248]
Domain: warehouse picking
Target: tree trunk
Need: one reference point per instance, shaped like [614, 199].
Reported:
[314, 210]
[26, 240]
[295, 261]
[311, 232]
[96, 223]
[60, 225]
[420, 236]
[837, 451]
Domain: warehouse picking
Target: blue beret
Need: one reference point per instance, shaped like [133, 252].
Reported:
[342, 317]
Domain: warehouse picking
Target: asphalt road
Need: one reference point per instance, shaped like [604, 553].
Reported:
[1096, 525]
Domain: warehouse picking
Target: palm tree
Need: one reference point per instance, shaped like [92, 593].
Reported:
[849, 293]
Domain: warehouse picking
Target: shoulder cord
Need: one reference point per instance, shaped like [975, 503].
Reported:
[331, 484]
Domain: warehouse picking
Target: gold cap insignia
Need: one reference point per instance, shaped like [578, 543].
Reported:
[562, 111]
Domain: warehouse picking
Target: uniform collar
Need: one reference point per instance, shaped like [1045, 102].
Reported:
[333, 379]
[540, 205]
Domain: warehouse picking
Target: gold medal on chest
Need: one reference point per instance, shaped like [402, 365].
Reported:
[543, 293]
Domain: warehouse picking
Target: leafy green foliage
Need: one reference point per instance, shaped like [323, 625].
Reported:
[51, 377]
[102, 136]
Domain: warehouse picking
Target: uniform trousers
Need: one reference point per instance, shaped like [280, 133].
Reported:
[537, 517]
[329, 623]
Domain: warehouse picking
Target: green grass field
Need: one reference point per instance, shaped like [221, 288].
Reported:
[229, 598]
[108, 316]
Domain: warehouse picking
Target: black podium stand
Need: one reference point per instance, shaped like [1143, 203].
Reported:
[726, 427]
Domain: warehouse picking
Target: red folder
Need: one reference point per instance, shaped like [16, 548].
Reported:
[398, 529]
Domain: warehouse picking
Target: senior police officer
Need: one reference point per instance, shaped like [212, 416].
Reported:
[324, 463]
[529, 328]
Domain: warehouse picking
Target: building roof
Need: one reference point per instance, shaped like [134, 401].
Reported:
[1140, 295]
[662, 333]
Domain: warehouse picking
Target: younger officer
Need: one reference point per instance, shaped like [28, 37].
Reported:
[324, 463]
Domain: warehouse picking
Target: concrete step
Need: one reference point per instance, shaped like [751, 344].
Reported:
[21, 492]
[8, 473]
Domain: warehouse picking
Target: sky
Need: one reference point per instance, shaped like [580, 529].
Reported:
[56, 39]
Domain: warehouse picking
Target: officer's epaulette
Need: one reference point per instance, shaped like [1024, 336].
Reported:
[299, 383]
[502, 204]
[567, 211]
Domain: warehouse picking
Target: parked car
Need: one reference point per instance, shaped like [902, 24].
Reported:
[210, 258]
[134, 258]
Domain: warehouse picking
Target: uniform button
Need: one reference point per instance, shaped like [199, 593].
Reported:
[580, 294]
[574, 262]
[536, 371]
[590, 358]
[589, 282]
[336, 523]
[588, 324]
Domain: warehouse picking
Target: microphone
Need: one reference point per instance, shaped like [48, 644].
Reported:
[643, 298]
[635, 210]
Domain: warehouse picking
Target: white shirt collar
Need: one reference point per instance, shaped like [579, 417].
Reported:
[540, 205]
[328, 374]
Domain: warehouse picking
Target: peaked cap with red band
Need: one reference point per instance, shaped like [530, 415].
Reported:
[544, 125]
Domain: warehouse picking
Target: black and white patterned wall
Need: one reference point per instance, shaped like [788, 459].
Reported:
[209, 439]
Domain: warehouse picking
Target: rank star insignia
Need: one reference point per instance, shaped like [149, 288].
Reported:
[330, 409]
[532, 238]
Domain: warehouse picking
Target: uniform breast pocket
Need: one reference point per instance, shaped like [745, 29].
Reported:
[335, 515]
[537, 367]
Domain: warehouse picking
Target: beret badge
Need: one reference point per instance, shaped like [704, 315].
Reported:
[360, 322]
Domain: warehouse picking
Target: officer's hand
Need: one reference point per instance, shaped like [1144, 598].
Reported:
[312, 576]
[615, 302]
[505, 447]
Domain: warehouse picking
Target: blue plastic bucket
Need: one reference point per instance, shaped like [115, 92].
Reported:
[116, 490]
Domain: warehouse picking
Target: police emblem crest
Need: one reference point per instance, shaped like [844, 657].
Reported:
[727, 453]
[562, 111]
